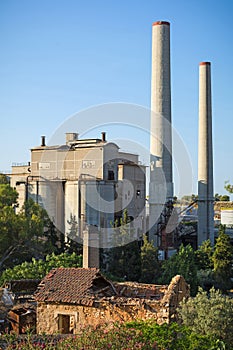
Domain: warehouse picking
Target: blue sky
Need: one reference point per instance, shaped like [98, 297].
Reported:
[59, 57]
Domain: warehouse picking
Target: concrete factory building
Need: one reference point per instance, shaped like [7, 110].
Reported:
[89, 181]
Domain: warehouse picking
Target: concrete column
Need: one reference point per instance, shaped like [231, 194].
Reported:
[91, 252]
[161, 185]
[205, 157]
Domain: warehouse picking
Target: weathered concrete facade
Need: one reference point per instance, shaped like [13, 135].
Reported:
[83, 183]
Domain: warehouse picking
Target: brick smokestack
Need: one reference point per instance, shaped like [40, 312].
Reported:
[205, 157]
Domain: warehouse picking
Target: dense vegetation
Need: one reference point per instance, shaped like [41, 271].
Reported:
[24, 235]
[130, 336]
[28, 235]
[206, 267]
[28, 239]
[209, 314]
[30, 246]
[37, 269]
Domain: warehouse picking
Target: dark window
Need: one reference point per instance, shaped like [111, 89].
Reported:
[110, 175]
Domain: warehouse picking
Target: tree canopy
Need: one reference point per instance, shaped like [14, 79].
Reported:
[204, 255]
[4, 179]
[223, 260]
[124, 256]
[182, 263]
[223, 198]
[30, 233]
[8, 196]
[228, 187]
[150, 268]
[37, 269]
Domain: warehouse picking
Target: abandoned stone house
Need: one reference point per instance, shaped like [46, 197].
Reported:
[69, 299]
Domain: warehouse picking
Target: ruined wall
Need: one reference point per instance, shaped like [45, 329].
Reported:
[105, 311]
[177, 290]
[113, 309]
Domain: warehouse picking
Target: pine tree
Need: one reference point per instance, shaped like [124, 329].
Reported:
[223, 260]
[204, 255]
[182, 263]
[73, 243]
[149, 262]
[124, 256]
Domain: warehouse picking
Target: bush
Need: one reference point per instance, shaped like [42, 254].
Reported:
[210, 315]
[133, 335]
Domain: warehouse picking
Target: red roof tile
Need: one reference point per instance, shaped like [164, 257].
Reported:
[71, 285]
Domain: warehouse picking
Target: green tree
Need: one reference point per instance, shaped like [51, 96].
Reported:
[187, 199]
[204, 261]
[37, 269]
[124, 256]
[150, 267]
[228, 187]
[223, 260]
[204, 256]
[182, 263]
[4, 179]
[40, 229]
[10, 223]
[225, 198]
[73, 243]
[24, 235]
[210, 315]
[8, 196]
[219, 197]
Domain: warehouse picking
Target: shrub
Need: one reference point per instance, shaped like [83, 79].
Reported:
[210, 315]
[129, 336]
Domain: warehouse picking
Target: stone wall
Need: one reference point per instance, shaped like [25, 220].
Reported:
[112, 309]
[177, 290]
[105, 311]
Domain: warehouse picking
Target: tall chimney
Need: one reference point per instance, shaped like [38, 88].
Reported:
[161, 184]
[205, 157]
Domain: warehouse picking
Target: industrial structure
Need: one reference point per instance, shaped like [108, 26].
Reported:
[87, 183]
[205, 158]
[84, 185]
[161, 179]
[162, 218]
